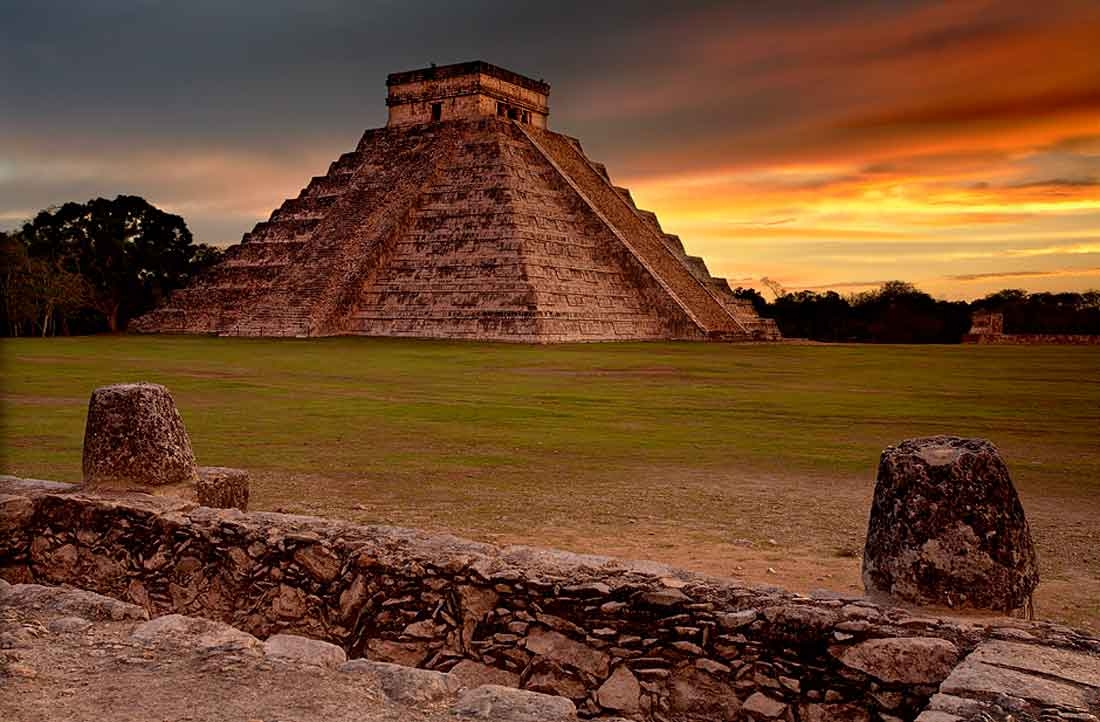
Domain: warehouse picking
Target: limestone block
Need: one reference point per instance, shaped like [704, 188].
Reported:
[907, 660]
[558, 648]
[303, 650]
[761, 706]
[69, 602]
[474, 674]
[405, 685]
[222, 488]
[505, 704]
[947, 527]
[134, 435]
[694, 691]
[195, 632]
[620, 692]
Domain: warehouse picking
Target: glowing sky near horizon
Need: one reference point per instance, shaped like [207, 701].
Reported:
[952, 143]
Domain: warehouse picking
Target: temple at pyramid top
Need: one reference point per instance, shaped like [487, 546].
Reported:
[464, 217]
[464, 91]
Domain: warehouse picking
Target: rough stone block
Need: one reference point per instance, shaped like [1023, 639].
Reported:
[134, 435]
[222, 488]
[405, 685]
[504, 704]
[474, 674]
[303, 650]
[906, 660]
[947, 527]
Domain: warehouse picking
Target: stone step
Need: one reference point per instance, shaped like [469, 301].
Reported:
[642, 240]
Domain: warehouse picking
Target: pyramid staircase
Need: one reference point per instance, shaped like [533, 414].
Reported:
[708, 300]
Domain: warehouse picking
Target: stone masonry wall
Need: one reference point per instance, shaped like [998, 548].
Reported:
[637, 639]
[1034, 339]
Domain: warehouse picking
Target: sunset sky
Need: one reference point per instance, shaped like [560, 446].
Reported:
[952, 143]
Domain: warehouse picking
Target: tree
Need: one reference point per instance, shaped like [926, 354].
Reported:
[54, 294]
[759, 303]
[15, 298]
[130, 253]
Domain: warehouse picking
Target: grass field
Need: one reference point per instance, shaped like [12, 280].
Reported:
[749, 461]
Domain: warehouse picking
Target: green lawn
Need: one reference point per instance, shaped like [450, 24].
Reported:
[697, 454]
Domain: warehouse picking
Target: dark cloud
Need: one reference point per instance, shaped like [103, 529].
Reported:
[218, 110]
[1038, 273]
[1056, 183]
[964, 112]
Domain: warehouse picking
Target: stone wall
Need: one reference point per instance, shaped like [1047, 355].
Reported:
[638, 639]
[1034, 339]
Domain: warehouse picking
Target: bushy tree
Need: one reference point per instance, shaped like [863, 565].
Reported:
[128, 253]
[896, 312]
[759, 303]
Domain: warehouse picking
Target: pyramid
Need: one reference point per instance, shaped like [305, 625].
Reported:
[465, 217]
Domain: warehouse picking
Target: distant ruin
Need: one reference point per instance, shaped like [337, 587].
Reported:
[465, 217]
[987, 327]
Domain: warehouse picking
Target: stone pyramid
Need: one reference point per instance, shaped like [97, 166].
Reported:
[465, 217]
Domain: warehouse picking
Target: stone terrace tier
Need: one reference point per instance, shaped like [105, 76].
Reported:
[480, 229]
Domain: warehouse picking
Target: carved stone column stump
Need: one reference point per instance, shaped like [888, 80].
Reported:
[135, 437]
[222, 488]
[947, 527]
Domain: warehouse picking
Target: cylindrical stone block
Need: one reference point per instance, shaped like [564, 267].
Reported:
[947, 527]
[135, 436]
[222, 488]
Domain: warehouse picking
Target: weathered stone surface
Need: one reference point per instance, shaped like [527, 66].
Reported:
[504, 704]
[222, 488]
[694, 692]
[474, 674]
[935, 716]
[1074, 667]
[834, 713]
[761, 706]
[563, 650]
[68, 602]
[319, 562]
[135, 436]
[1026, 679]
[551, 678]
[410, 654]
[620, 692]
[908, 660]
[302, 650]
[947, 527]
[406, 685]
[69, 625]
[195, 632]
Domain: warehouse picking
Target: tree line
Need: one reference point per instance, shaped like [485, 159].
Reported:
[898, 312]
[91, 267]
